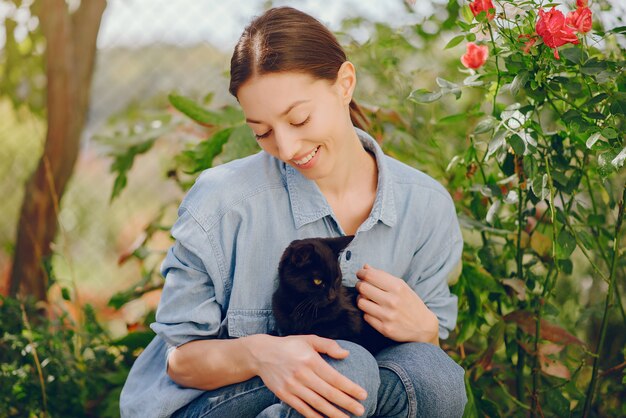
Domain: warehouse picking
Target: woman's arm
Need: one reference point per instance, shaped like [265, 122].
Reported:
[211, 364]
[291, 367]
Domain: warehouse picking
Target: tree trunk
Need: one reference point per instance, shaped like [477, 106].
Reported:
[70, 57]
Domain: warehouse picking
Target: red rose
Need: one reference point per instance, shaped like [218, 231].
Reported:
[478, 6]
[475, 56]
[581, 3]
[580, 19]
[553, 30]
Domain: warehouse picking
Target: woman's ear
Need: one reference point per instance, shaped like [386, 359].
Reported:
[346, 81]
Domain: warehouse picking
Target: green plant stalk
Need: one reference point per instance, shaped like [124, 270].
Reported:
[520, 251]
[547, 288]
[42, 383]
[506, 392]
[521, 363]
[584, 251]
[520, 274]
[495, 94]
[607, 306]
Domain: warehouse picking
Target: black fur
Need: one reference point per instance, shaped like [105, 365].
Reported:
[310, 298]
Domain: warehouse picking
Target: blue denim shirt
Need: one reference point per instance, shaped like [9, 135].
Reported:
[232, 228]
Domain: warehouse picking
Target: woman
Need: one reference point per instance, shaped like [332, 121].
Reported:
[216, 353]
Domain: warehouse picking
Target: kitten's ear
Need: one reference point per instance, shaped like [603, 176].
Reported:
[301, 255]
[339, 243]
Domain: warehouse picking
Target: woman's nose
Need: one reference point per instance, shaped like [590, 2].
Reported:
[286, 144]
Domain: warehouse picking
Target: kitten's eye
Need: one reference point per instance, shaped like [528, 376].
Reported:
[317, 281]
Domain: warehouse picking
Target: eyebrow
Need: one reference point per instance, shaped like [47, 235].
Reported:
[294, 104]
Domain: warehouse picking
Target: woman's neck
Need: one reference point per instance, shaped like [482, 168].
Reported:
[357, 173]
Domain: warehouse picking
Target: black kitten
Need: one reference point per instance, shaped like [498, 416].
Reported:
[310, 298]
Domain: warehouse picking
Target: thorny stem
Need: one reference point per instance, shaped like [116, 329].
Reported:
[607, 306]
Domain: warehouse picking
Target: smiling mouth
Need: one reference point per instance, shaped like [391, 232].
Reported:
[307, 158]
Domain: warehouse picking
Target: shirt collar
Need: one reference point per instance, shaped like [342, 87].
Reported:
[308, 204]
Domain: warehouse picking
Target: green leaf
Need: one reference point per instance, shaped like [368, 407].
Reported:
[459, 117]
[240, 144]
[454, 41]
[604, 161]
[619, 29]
[485, 125]
[518, 145]
[609, 133]
[471, 410]
[65, 293]
[573, 54]
[519, 81]
[566, 266]
[467, 14]
[618, 104]
[201, 157]
[557, 403]
[593, 66]
[596, 220]
[560, 177]
[571, 115]
[618, 161]
[566, 244]
[424, 96]
[597, 99]
[194, 111]
[591, 141]
[473, 81]
[443, 83]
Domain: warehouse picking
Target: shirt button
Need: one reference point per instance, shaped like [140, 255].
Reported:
[348, 255]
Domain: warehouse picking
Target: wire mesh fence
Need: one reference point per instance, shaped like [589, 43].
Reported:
[146, 49]
[137, 65]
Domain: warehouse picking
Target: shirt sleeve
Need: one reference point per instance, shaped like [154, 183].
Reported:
[188, 309]
[437, 262]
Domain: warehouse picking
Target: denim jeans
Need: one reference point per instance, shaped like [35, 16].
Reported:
[410, 380]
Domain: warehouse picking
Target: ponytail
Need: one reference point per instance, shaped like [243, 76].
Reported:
[357, 116]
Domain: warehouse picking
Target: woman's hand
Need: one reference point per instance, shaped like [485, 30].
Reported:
[392, 308]
[293, 369]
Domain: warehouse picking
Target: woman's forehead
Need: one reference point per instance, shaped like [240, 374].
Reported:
[276, 94]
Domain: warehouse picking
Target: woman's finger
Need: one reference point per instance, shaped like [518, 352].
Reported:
[300, 406]
[372, 292]
[326, 372]
[372, 308]
[317, 402]
[334, 395]
[327, 346]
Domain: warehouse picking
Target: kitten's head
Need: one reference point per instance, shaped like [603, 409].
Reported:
[310, 266]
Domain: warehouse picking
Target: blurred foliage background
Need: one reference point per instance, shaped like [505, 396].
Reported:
[141, 149]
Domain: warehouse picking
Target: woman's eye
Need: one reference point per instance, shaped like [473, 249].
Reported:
[317, 282]
[265, 135]
[303, 122]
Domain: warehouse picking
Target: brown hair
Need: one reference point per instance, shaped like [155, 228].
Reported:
[286, 39]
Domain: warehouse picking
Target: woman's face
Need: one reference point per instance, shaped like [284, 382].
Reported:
[299, 119]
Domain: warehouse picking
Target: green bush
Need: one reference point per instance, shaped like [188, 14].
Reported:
[56, 368]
